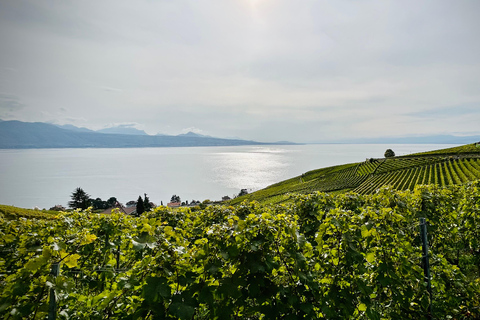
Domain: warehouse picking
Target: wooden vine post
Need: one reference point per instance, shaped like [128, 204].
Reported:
[52, 306]
[426, 263]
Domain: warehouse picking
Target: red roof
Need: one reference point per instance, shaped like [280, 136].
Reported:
[173, 204]
[122, 209]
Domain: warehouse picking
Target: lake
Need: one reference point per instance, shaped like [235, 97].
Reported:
[47, 177]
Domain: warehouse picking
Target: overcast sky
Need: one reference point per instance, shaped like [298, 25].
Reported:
[268, 70]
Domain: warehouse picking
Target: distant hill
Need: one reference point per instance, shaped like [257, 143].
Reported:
[73, 128]
[121, 129]
[24, 135]
[443, 167]
[192, 134]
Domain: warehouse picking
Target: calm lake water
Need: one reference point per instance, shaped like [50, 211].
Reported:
[46, 177]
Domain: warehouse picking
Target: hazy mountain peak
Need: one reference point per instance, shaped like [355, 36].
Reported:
[193, 134]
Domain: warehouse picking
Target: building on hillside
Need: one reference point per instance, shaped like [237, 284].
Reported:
[174, 204]
[130, 210]
[58, 207]
[131, 203]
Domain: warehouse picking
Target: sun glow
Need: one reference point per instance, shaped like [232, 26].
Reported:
[254, 3]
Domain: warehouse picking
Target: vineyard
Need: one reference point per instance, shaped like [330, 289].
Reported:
[11, 212]
[442, 167]
[407, 174]
[319, 256]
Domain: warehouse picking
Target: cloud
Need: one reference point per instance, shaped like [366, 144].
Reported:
[446, 112]
[110, 89]
[10, 103]
[125, 125]
[72, 119]
[194, 130]
[273, 70]
[9, 70]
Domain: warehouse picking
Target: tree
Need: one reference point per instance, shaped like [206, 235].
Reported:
[146, 203]
[242, 192]
[112, 202]
[131, 203]
[389, 153]
[140, 206]
[80, 199]
[98, 204]
[175, 198]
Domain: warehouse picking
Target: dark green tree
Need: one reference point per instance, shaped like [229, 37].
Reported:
[140, 206]
[242, 192]
[112, 202]
[80, 199]
[146, 203]
[175, 198]
[98, 204]
[389, 153]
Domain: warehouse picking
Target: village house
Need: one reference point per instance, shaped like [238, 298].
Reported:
[128, 210]
[174, 204]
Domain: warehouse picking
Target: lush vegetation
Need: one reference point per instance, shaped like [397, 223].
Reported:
[319, 256]
[10, 212]
[442, 167]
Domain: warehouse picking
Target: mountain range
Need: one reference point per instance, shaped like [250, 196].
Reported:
[16, 134]
[27, 135]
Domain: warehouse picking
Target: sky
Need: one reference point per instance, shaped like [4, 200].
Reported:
[266, 70]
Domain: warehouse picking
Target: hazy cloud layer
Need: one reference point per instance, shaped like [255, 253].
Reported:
[267, 70]
[9, 106]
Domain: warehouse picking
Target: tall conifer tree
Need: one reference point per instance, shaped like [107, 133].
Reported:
[140, 206]
[80, 199]
[146, 203]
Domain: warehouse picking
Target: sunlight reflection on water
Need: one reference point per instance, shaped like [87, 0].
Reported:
[46, 177]
[252, 170]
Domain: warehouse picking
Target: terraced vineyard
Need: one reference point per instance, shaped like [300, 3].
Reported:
[440, 172]
[442, 167]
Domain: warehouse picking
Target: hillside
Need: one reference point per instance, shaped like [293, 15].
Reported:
[440, 167]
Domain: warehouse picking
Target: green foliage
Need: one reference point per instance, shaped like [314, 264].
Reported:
[317, 256]
[140, 208]
[242, 192]
[175, 198]
[99, 204]
[80, 199]
[146, 203]
[389, 153]
[10, 212]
